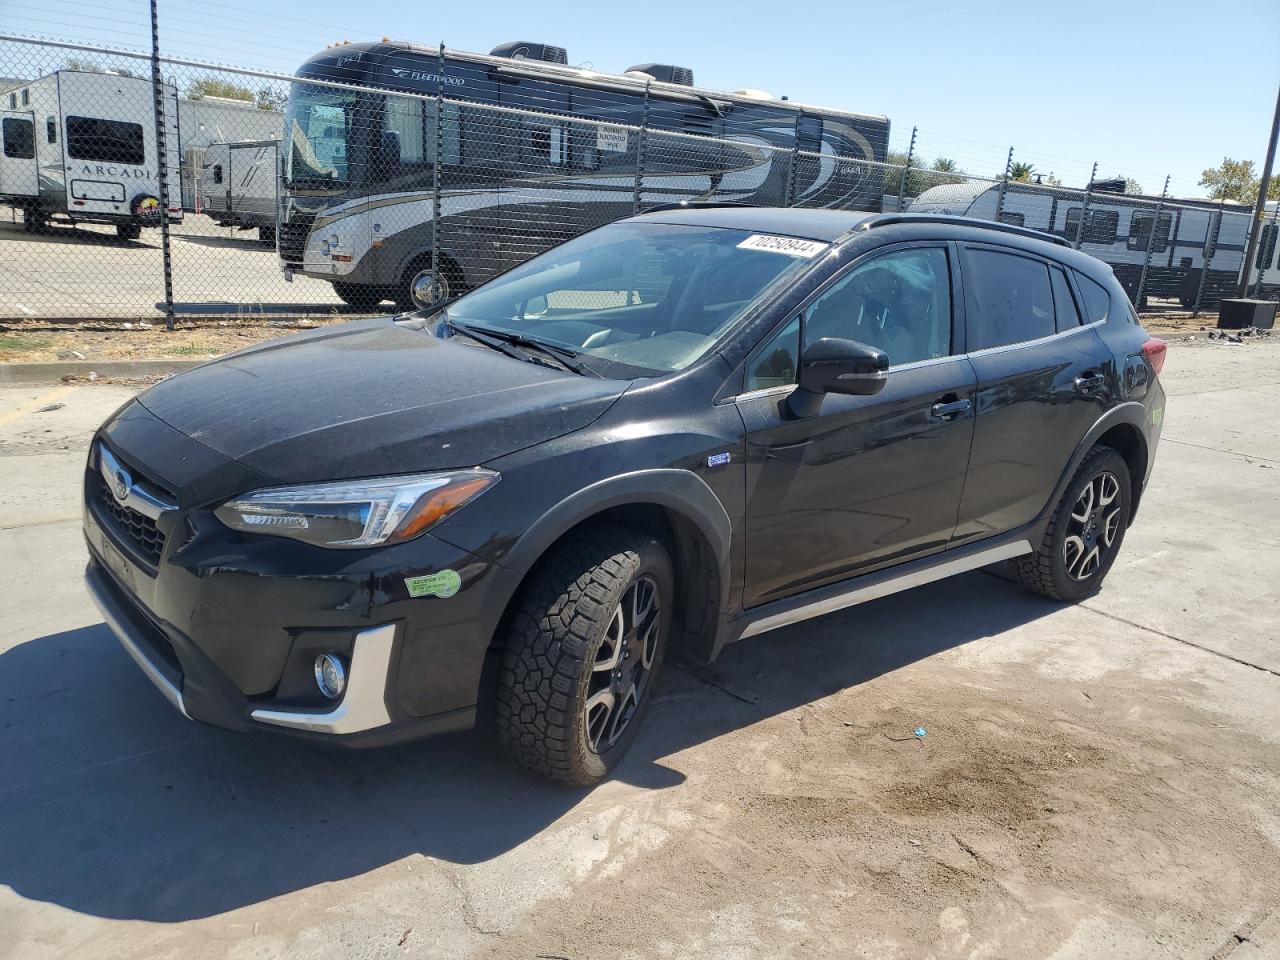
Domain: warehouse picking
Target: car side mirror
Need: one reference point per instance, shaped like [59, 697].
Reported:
[837, 365]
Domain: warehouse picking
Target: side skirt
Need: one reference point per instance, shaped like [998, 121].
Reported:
[816, 603]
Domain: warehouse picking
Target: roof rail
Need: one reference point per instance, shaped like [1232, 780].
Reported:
[696, 205]
[885, 219]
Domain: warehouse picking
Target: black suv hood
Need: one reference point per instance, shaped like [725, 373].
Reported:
[371, 398]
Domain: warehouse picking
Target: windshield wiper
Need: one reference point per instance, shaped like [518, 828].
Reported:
[495, 343]
[563, 357]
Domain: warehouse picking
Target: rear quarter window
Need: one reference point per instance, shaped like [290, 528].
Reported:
[1097, 302]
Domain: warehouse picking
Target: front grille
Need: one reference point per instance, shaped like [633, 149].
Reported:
[138, 528]
[149, 634]
[293, 238]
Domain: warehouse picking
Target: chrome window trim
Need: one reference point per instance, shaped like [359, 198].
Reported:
[363, 705]
[1057, 335]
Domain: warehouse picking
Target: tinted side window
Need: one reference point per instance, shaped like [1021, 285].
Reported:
[1064, 304]
[1012, 297]
[1140, 232]
[899, 302]
[774, 364]
[106, 141]
[1097, 302]
[19, 139]
[1100, 226]
[1267, 248]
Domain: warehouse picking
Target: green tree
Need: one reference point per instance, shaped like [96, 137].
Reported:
[945, 165]
[213, 87]
[92, 66]
[1131, 186]
[1021, 172]
[1236, 180]
[268, 99]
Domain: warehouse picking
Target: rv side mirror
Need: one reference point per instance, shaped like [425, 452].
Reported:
[837, 365]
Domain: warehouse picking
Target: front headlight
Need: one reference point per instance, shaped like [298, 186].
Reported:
[356, 513]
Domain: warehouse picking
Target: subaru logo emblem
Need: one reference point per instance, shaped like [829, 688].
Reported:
[121, 483]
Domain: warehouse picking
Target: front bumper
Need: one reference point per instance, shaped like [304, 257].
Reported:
[227, 626]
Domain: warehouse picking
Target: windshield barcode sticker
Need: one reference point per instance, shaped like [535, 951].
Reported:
[791, 246]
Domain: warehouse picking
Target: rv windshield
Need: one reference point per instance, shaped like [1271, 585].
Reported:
[317, 129]
[636, 298]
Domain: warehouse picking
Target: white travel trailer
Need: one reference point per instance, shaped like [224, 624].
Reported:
[1118, 229]
[80, 147]
[239, 185]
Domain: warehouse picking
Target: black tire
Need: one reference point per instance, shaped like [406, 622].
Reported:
[1060, 570]
[128, 231]
[560, 640]
[358, 295]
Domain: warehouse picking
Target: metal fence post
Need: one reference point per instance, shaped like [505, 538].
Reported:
[1084, 207]
[162, 151]
[1210, 248]
[906, 170]
[641, 139]
[789, 197]
[1004, 184]
[1151, 242]
[435, 169]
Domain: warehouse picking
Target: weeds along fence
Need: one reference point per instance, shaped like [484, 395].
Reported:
[287, 197]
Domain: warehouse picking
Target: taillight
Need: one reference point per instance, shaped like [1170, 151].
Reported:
[1154, 350]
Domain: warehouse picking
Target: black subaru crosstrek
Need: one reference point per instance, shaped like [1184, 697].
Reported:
[666, 435]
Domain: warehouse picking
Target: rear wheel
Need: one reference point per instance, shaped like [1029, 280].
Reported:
[1085, 533]
[128, 231]
[583, 652]
[358, 295]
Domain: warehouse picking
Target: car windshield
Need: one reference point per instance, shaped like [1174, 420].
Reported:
[318, 127]
[652, 297]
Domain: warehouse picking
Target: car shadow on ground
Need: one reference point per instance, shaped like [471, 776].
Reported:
[246, 240]
[74, 236]
[112, 805]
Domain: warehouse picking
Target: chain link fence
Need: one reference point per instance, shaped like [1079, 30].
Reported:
[291, 197]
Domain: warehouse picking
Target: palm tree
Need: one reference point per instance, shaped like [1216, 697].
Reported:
[944, 165]
[1022, 172]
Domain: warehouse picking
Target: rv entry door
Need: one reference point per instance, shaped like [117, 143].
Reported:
[18, 176]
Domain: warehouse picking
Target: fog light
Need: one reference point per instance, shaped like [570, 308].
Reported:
[331, 676]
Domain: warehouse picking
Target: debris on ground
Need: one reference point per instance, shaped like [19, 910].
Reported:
[49, 408]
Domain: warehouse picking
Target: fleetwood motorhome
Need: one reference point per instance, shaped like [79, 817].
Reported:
[238, 186]
[81, 147]
[530, 153]
[1118, 230]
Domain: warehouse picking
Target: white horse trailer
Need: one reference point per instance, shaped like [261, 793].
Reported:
[80, 147]
[1118, 229]
[239, 185]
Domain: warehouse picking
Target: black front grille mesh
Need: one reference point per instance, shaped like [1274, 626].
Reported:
[137, 527]
[293, 238]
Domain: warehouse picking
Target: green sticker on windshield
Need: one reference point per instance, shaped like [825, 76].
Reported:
[443, 584]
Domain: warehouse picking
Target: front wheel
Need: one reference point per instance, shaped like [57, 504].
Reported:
[1085, 533]
[583, 652]
[358, 295]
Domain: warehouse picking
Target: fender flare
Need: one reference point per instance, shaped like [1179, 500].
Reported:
[1130, 412]
[680, 491]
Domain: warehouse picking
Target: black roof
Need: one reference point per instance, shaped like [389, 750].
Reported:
[832, 225]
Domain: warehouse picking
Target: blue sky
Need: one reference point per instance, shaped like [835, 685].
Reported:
[1145, 87]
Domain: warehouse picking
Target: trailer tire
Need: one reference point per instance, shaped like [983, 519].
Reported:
[128, 231]
[267, 235]
[358, 295]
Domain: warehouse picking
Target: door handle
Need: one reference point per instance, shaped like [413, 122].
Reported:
[950, 410]
[1090, 382]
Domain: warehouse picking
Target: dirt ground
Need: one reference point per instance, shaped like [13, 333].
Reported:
[35, 341]
[32, 342]
[1088, 781]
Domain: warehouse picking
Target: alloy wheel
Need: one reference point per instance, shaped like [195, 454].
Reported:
[623, 664]
[1093, 526]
